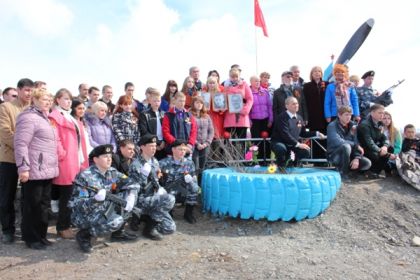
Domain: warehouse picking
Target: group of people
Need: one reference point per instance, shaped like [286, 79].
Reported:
[78, 155]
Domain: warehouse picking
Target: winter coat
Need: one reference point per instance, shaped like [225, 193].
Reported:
[330, 104]
[100, 131]
[371, 137]
[68, 148]
[8, 114]
[337, 135]
[36, 145]
[174, 128]
[124, 126]
[240, 119]
[205, 130]
[315, 95]
[262, 107]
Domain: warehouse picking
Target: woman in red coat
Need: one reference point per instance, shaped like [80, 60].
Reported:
[72, 157]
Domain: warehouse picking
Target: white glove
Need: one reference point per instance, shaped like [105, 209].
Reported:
[188, 178]
[145, 170]
[161, 191]
[130, 202]
[100, 195]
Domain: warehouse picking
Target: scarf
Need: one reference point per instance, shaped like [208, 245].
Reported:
[341, 94]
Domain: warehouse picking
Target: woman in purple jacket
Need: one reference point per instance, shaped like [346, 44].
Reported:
[37, 161]
[261, 115]
[99, 126]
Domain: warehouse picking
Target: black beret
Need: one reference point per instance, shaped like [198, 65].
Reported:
[368, 73]
[178, 142]
[147, 139]
[287, 73]
[101, 150]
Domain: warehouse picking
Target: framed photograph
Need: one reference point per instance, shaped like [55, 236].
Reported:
[235, 102]
[206, 97]
[219, 102]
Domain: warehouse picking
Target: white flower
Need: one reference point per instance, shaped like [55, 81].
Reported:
[292, 156]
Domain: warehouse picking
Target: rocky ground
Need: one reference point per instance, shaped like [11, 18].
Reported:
[366, 234]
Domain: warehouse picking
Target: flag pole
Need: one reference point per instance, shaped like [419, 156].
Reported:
[256, 51]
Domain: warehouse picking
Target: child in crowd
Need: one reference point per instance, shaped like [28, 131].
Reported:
[205, 132]
[124, 121]
[189, 91]
[178, 123]
[408, 163]
[150, 122]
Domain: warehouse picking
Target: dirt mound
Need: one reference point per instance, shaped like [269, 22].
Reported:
[366, 234]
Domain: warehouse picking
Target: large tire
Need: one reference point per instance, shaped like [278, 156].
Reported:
[304, 193]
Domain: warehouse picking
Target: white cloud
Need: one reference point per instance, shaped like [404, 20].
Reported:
[40, 17]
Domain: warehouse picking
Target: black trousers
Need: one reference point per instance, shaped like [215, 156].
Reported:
[257, 127]
[8, 185]
[36, 200]
[63, 195]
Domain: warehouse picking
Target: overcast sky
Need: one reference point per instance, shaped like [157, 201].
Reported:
[150, 41]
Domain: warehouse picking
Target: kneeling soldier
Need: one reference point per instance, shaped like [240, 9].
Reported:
[153, 200]
[92, 212]
[179, 178]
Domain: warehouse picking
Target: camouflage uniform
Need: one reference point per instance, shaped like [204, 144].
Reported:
[366, 96]
[156, 205]
[175, 171]
[87, 213]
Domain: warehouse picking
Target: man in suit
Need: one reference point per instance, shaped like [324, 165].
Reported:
[288, 128]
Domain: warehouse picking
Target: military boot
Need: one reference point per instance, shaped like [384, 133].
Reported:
[83, 239]
[150, 230]
[122, 235]
[188, 214]
[134, 223]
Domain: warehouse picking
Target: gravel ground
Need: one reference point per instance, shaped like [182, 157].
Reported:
[366, 234]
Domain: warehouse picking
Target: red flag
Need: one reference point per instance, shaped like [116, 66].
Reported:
[259, 18]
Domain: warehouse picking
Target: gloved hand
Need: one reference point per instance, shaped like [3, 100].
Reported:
[131, 199]
[100, 195]
[188, 178]
[145, 170]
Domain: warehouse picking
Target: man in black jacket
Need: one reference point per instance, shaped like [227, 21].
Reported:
[343, 148]
[125, 155]
[288, 128]
[150, 122]
[373, 141]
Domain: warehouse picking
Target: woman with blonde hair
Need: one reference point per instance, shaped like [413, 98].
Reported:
[72, 158]
[99, 126]
[188, 88]
[395, 141]
[35, 143]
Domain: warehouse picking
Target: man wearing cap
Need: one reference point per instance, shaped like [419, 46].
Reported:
[285, 90]
[153, 200]
[366, 94]
[181, 169]
[92, 213]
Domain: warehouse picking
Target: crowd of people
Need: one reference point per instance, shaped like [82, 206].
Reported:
[80, 155]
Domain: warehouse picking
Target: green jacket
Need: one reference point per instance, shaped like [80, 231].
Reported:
[370, 136]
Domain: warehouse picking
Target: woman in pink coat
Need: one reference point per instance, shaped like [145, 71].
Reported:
[239, 95]
[72, 157]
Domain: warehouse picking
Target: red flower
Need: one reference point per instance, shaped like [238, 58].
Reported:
[226, 135]
[264, 134]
